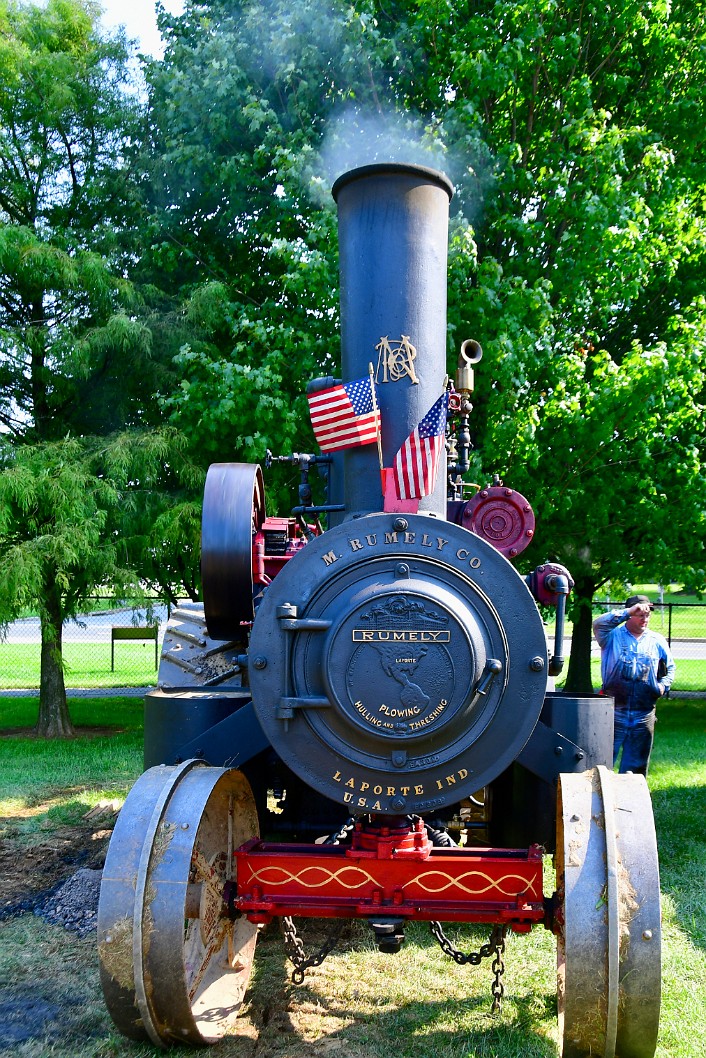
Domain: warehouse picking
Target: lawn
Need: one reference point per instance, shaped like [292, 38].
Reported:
[86, 665]
[359, 1003]
[104, 758]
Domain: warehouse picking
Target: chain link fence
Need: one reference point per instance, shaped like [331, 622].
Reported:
[108, 647]
[684, 627]
[119, 647]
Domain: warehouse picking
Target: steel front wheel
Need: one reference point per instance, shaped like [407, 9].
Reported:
[174, 962]
[609, 928]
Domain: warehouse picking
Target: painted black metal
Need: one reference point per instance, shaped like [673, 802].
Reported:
[549, 753]
[587, 720]
[216, 727]
[398, 664]
[575, 733]
[233, 500]
[377, 729]
[393, 231]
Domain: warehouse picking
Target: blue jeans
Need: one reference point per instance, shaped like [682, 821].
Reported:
[633, 731]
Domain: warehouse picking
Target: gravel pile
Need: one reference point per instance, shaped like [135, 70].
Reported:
[75, 904]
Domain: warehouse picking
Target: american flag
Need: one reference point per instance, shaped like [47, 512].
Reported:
[345, 415]
[417, 461]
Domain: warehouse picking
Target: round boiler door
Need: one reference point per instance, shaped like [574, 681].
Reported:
[401, 664]
[397, 664]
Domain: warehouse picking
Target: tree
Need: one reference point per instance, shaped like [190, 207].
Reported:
[63, 509]
[67, 326]
[578, 123]
[242, 234]
[76, 360]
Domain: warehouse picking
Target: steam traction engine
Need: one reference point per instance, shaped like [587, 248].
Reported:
[382, 685]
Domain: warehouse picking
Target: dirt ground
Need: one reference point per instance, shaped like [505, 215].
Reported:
[32, 865]
[30, 871]
[50, 998]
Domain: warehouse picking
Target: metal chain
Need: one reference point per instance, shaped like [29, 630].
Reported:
[495, 946]
[497, 989]
[345, 829]
[292, 940]
[295, 948]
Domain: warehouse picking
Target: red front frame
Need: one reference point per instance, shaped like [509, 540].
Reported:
[451, 885]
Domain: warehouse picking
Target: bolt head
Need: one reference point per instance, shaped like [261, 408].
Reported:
[260, 663]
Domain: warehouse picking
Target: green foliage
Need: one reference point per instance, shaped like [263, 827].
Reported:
[53, 516]
[577, 238]
[65, 512]
[77, 360]
[584, 182]
[571, 131]
[72, 355]
[243, 231]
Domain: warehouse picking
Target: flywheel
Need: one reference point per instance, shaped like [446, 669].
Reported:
[174, 963]
[609, 928]
[233, 512]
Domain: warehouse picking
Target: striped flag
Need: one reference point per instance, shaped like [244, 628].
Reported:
[417, 461]
[345, 415]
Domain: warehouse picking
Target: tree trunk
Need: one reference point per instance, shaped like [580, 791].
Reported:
[54, 720]
[578, 677]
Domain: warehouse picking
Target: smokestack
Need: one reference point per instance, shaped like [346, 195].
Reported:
[393, 235]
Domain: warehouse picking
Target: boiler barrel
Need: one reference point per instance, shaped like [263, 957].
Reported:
[393, 235]
[524, 805]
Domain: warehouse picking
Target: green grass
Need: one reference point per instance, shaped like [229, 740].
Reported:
[34, 770]
[88, 666]
[359, 1003]
[688, 613]
[85, 665]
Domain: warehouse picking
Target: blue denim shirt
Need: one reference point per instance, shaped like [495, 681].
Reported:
[629, 664]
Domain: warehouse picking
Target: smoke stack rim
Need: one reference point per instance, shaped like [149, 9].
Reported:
[393, 169]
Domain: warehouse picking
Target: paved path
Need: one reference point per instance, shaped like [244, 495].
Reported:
[88, 628]
[83, 692]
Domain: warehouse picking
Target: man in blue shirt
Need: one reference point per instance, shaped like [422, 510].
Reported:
[637, 668]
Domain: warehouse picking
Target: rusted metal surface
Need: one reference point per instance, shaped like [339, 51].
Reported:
[179, 973]
[608, 917]
[188, 648]
[116, 908]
